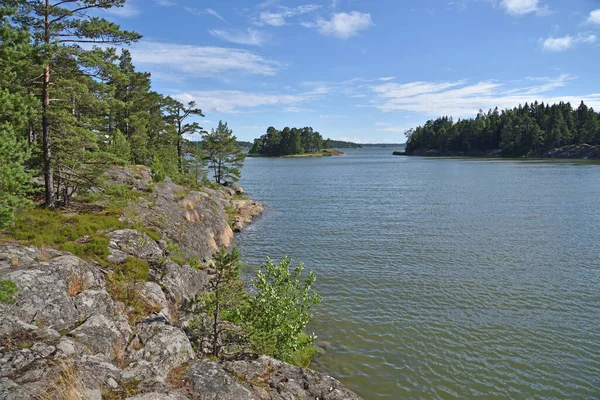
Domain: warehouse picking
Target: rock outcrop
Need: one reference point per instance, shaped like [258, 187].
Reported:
[65, 336]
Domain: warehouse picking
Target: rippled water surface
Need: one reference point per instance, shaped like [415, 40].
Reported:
[442, 278]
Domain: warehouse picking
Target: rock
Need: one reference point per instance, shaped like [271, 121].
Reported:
[157, 348]
[14, 255]
[153, 294]
[43, 298]
[208, 381]
[102, 335]
[180, 282]
[276, 380]
[129, 242]
[247, 211]
[158, 396]
[235, 187]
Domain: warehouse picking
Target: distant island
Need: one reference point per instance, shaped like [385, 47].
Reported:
[532, 130]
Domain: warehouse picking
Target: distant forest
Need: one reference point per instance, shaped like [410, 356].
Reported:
[515, 132]
[289, 141]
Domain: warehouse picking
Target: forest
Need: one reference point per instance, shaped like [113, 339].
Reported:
[276, 143]
[525, 130]
[72, 105]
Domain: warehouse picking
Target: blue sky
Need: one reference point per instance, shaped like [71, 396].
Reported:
[364, 70]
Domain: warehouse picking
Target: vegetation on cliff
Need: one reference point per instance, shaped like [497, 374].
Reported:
[71, 107]
[525, 130]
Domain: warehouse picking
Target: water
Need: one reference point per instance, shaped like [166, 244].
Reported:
[442, 278]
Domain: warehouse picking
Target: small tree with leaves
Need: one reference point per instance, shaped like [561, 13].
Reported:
[222, 301]
[279, 312]
[224, 157]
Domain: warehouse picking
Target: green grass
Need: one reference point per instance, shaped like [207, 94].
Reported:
[8, 289]
[42, 227]
[95, 249]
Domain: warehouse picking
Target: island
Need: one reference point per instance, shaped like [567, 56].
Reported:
[535, 130]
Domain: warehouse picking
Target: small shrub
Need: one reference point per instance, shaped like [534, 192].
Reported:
[8, 289]
[158, 169]
[195, 263]
[125, 285]
[178, 260]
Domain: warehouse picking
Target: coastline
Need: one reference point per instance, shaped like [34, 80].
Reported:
[324, 153]
[572, 152]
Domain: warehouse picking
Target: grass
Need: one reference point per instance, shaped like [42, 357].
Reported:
[303, 356]
[8, 289]
[68, 385]
[43, 227]
[95, 249]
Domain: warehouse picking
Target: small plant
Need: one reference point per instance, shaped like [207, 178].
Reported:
[195, 263]
[76, 284]
[68, 385]
[8, 289]
[125, 285]
[178, 260]
[95, 248]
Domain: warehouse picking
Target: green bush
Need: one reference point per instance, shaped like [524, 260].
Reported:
[158, 169]
[7, 291]
[277, 315]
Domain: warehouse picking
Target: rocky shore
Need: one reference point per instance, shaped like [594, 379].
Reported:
[66, 337]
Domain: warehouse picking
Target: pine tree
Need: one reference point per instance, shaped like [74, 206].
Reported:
[225, 158]
[60, 25]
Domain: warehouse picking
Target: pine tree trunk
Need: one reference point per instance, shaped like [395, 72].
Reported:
[46, 141]
[179, 150]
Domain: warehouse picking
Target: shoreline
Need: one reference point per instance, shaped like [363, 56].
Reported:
[572, 152]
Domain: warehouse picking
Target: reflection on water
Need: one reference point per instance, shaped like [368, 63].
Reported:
[442, 278]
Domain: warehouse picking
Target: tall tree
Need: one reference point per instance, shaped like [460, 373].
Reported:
[178, 113]
[225, 158]
[59, 26]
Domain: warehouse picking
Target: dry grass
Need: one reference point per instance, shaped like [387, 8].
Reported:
[68, 385]
[176, 377]
[175, 311]
[76, 284]
[119, 354]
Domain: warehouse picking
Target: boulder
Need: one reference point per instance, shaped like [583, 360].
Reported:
[156, 348]
[235, 187]
[208, 381]
[180, 283]
[129, 242]
[102, 334]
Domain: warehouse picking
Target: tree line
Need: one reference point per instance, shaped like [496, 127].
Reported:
[276, 143]
[69, 111]
[527, 129]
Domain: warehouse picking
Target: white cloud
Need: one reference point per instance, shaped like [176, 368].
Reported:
[594, 17]
[234, 101]
[127, 11]
[566, 42]
[558, 44]
[522, 7]
[215, 14]
[343, 25]
[461, 99]
[165, 3]
[280, 15]
[200, 61]
[251, 37]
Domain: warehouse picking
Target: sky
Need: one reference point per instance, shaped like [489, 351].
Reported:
[363, 70]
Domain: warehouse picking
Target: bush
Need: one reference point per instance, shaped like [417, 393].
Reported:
[158, 169]
[7, 291]
[277, 315]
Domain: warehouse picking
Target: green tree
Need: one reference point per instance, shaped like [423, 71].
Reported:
[224, 296]
[279, 311]
[178, 113]
[59, 26]
[225, 158]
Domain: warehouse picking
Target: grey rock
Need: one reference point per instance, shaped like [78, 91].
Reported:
[101, 335]
[158, 396]
[208, 381]
[179, 282]
[281, 381]
[157, 348]
[133, 243]
[235, 187]
[153, 294]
